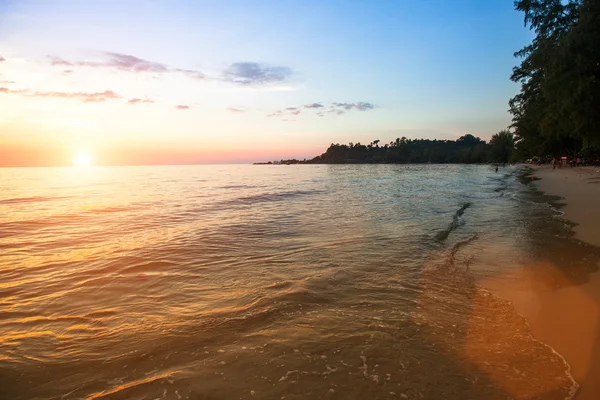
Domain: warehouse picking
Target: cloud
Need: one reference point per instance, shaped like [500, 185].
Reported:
[7, 90]
[364, 106]
[361, 106]
[85, 97]
[136, 101]
[191, 73]
[236, 110]
[347, 106]
[314, 105]
[6, 82]
[275, 114]
[322, 111]
[255, 74]
[67, 72]
[125, 62]
[182, 107]
[288, 120]
[2, 59]
[59, 62]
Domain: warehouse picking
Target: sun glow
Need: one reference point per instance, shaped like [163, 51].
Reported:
[82, 160]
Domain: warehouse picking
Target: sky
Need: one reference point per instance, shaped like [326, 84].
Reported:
[182, 81]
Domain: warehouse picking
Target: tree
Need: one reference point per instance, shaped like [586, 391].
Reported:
[502, 146]
[558, 107]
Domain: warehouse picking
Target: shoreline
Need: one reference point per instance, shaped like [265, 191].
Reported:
[576, 308]
[566, 318]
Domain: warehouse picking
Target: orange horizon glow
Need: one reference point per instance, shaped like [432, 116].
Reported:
[53, 155]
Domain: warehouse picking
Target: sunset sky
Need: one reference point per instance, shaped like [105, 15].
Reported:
[157, 81]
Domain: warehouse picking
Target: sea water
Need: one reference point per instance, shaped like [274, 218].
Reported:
[274, 282]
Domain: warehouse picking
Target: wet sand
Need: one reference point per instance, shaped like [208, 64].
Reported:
[568, 318]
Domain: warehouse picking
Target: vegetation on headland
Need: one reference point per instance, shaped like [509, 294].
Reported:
[467, 149]
[557, 111]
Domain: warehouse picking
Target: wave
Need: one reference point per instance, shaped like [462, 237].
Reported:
[270, 197]
[498, 336]
[574, 386]
[457, 246]
[34, 199]
[456, 222]
[107, 210]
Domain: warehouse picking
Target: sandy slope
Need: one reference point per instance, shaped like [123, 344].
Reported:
[569, 319]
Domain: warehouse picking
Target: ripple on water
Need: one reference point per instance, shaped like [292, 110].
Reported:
[265, 283]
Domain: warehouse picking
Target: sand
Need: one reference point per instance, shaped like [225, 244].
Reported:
[568, 319]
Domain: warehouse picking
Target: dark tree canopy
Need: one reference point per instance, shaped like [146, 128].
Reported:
[502, 146]
[467, 149]
[557, 110]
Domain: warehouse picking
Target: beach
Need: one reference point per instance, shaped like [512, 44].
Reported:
[567, 318]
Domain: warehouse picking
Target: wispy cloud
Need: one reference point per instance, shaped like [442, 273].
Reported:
[182, 107]
[125, 62]
[7, 82]
[136, 101]
[93, 97]
[7, 90]
[2, 59]
[288, 120]
[347, 106]
[83, 96]
[255, 74]
[275, 113]
[314, 105]
[361, 106]
[190, 73]
[364, 106]
[320, 110]
[236, 110]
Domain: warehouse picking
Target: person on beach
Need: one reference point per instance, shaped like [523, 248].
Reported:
[496, 167]
[554, 163]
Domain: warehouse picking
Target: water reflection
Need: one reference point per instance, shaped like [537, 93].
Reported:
[296, 281]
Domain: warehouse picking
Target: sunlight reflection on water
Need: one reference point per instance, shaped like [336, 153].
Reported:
[305, 281]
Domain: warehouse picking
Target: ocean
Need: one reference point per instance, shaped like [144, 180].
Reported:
[276, 282]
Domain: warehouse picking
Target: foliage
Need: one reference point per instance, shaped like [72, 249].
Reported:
[558, 107]
[502, 146]
[467, 149]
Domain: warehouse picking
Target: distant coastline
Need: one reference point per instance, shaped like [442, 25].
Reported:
[467, 149]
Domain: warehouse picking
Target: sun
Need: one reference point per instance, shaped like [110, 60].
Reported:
[82, 160]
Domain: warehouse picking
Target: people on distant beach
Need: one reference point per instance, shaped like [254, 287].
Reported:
[554, 163]
[496, 167]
